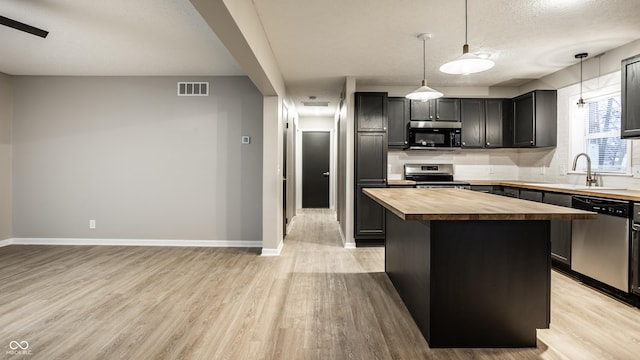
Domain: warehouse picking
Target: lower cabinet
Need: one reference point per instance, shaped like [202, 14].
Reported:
[370, 219]
[560, 229]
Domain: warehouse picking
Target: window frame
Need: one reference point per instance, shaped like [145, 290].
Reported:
[579, 123]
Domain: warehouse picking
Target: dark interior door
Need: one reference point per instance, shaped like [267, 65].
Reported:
[315, 169]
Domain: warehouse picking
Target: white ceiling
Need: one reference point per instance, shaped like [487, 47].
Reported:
[114, 37]
[318, 42]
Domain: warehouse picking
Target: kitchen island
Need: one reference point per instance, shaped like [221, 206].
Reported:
[473, 269]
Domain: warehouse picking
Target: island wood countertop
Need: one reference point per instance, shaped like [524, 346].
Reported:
[461, 204]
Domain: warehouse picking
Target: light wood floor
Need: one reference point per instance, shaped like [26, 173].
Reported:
[315, 301]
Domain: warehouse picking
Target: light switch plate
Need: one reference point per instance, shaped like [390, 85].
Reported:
[246, 139]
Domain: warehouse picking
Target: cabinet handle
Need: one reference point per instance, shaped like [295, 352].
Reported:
[464, 143]
[430, 116]
[531, 142]
[488, 143]
[384, 128]
[438, 116]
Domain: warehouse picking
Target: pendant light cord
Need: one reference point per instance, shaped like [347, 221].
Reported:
[581, 78]
[466, 21]
[424, 61]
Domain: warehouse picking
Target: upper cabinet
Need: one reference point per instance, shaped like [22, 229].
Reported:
[631, 97]
[371, 111]
[535, 119]
[442, 109]
[473, 122]
[484, 123]
[398, 116]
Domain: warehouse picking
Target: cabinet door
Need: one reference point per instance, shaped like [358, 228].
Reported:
[447, 109]
[398, 116]
[370, 216]
[421, 110]
[532, 195]
[494, 123]
[371, 111]
[472, 116]
[631, 97]
[371, 158]
[523, 120]
[560, 231]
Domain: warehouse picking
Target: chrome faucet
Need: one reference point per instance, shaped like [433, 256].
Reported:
[591, 180]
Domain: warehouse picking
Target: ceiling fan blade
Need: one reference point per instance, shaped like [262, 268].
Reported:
[23, 27]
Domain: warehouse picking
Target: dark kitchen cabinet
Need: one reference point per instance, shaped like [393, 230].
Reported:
[441, 109]
[371, 111]
[369, 219]
[630, 97]
[532, 195]
[535, 119]
[371, 158]
[398, 120]
[472, 115]
[370, 166]
[560, 230]
[484, 123]
[497, 125]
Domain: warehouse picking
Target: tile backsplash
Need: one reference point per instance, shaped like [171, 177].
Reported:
[536, 165]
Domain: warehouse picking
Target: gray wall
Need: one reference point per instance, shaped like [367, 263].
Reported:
[141, 161]
[5, 157]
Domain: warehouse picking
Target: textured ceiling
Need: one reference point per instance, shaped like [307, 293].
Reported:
[375, 41]
[318, 42]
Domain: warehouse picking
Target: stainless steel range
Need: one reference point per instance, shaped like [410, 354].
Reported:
[433, 175]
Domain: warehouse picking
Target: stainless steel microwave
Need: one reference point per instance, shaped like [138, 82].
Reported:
[434, 134]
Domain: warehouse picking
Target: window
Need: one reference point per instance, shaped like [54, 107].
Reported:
[602, 139]
[599, 123]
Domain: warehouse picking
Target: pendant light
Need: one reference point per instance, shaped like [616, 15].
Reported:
[424, 93]
[581, 56]
[467, 63]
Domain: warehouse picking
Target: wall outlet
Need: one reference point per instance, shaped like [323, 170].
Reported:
[491, 169]
[92, 224]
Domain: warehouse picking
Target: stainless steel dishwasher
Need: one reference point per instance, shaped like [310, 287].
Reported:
[600, 248]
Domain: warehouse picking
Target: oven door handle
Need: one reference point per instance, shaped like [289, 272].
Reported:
[635, 227]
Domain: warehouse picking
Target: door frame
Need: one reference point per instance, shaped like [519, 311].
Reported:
[332, 165]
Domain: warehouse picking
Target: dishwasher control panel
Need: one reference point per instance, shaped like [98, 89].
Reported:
[613, 207]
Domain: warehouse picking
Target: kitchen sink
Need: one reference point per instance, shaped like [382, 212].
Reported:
[575, 187]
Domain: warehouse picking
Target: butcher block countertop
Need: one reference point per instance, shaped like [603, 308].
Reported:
[609, 193]
[461, 204]
[401, 182]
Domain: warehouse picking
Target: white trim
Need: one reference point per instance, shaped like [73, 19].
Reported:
[290, 224]
[6, 242]
[273, 252]
[136, 242]
[345, 244]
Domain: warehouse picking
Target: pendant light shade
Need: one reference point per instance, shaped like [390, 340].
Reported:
[424, 93]
[467, 63]
[581, 56]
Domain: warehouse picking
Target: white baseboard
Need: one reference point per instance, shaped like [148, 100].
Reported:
[273, 252]
[6, 242]
[135, 242]
[344, 240]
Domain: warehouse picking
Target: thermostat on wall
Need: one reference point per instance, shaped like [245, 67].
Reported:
[246, 139]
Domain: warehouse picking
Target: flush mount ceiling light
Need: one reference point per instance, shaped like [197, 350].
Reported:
[581, 56]
[424, 93]
[467, 63]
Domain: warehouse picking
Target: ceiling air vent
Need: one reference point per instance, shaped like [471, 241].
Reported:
[315, 103]
[193, 89]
